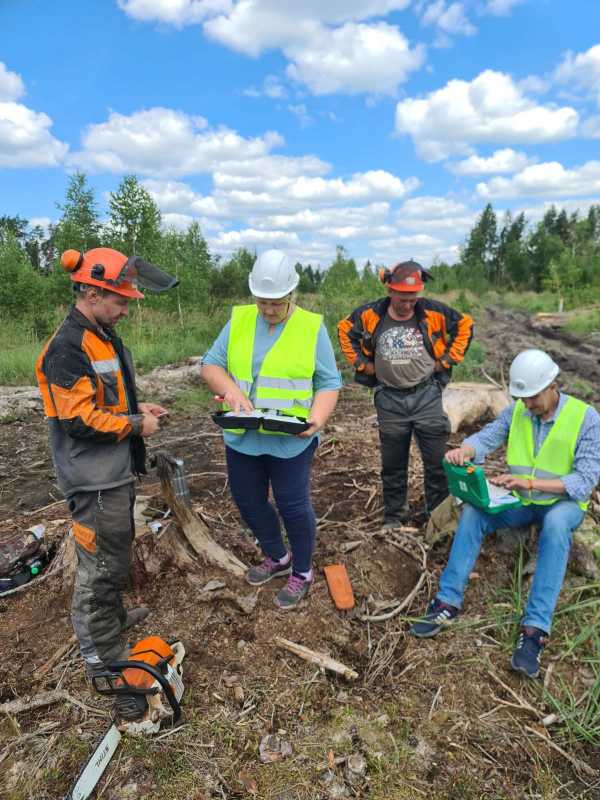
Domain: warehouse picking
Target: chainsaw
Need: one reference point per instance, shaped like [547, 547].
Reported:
[152, 672]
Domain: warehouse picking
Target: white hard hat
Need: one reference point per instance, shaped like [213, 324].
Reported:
[273, 275]
[531, 372]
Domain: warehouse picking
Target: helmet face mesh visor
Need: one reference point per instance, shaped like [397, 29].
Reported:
[142, 273]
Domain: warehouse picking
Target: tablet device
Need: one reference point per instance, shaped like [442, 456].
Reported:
[469, 484]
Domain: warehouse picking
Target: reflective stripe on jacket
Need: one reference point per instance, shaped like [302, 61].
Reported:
[285, 380]
[556, 455]
[446, 333]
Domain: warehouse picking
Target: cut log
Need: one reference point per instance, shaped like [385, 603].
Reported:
[194, 529]
[471, 403]
[320, 659]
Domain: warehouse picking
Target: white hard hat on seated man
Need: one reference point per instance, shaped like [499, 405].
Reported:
[531, 372]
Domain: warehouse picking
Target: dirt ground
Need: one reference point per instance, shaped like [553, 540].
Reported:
[443, 719]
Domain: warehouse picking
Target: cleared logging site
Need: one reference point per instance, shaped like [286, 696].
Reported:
[395, 718]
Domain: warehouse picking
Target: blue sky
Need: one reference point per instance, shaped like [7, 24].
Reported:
[381, 125]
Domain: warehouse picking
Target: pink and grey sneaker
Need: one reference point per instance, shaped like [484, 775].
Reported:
[267, 570]
[293, 592]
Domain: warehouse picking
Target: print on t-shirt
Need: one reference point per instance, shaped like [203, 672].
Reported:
[401, 359]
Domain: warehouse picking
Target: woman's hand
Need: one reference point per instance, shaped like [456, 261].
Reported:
[237, 400]
[315, 425]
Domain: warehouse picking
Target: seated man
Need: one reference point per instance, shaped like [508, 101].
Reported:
[553, 456]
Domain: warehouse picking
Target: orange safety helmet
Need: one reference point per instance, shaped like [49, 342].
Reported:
[111, 270]
[407, 276]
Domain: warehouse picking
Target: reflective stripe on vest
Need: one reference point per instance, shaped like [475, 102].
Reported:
[556, 455]
[284, 382]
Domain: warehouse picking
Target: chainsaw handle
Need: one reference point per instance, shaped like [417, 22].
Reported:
[127, 689]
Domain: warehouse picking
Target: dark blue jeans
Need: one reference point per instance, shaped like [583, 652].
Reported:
[249, 479]
[557, 521]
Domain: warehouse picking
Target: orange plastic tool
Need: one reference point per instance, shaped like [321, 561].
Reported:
[339, 586]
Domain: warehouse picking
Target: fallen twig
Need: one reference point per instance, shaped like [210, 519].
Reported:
[54, 658]
[576, 762]
[42, 699]
[320, 659]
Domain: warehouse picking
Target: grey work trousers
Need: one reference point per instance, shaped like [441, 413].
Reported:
[103, 529]
[401, 413]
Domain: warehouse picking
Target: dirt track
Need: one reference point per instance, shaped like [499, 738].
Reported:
[422, 713]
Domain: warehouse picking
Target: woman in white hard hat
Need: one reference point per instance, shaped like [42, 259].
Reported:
[276, 360]
[553, 457]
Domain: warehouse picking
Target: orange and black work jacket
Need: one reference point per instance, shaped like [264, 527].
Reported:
[446, 333]
[86, 378]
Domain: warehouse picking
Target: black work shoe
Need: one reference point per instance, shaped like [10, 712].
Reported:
[437, 616]
[130, 707]
[135, 616]
[528, 652]
[397, 521]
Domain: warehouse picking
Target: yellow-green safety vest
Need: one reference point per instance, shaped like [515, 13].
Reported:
[285, 379]
[556, 455]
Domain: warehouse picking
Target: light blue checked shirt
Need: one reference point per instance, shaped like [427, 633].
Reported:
[580, 483]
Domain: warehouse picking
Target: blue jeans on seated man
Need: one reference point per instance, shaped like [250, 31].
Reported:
[557, 521]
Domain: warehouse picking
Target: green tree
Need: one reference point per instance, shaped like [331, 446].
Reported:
[134, 220]
[480, 253]
[230, 279]
[79, 227]
[342, 275]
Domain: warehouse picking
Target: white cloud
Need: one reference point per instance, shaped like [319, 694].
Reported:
[354, 58]
[256, 25]
[181, 222]
[302, 114]
[371, 215]
[591, 127]
[328, 45]
[271, 88]
[25, 138]
[174, 12]
[11, 84]
[435, 214]
[506, 160]
[544, 180]
[580, 206]
[164, 142]
[582, 71]
[328, 48]
[251, 238]
[449, 19]
[422, 247]
[501, 8]
[490, 108]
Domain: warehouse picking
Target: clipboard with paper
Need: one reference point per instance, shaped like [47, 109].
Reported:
[469, 484]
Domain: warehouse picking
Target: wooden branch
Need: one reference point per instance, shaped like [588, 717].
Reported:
[322, 660]
[54, 659]
[42, 699]
[582, 766]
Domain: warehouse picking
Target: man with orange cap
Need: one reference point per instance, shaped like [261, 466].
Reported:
[97, 431]
[405, 346]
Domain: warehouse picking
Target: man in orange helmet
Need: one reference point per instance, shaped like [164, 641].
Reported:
[97, 431]
[405, 346]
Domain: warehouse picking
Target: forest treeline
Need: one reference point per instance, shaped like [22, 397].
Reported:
[560, 253]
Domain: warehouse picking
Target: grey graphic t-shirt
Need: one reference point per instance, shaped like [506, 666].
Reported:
[401, 359]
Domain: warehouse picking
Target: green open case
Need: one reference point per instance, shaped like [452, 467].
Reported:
[469, 484]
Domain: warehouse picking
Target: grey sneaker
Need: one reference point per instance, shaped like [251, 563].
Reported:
[293, 592]
[265, 572]
[135, 616]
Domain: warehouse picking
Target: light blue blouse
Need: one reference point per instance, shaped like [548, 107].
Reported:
[326, 377]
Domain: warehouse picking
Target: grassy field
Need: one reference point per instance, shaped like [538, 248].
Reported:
[157, 337]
